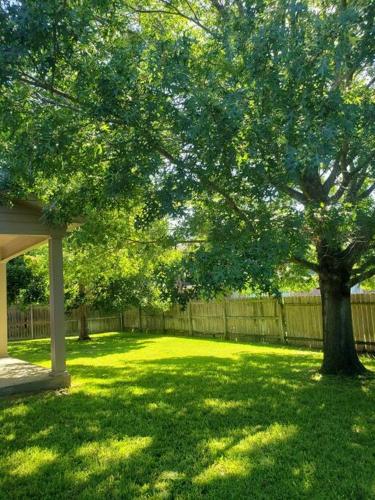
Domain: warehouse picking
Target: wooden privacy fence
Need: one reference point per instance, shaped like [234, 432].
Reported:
[33, 322]
[296, 320]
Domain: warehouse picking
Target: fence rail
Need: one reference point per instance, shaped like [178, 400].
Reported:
[33, 322]
[296, 320]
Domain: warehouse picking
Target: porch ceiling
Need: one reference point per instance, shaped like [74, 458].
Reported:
[12, 245]
[22, 227]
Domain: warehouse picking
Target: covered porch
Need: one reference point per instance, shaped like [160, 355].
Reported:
[17, 376]
[22, 228]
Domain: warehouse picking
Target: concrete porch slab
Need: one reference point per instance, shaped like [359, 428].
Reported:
[17, 376]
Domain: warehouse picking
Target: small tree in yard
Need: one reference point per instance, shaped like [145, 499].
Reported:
[108, 265]
[250, 121]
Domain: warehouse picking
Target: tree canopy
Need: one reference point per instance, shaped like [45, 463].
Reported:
[107, 265]
[249, 123]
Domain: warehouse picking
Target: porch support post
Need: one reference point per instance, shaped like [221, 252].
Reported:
[3, 311]
[57, 305]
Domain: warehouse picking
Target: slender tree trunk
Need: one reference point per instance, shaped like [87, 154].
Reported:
[83, 325]
[340, 356]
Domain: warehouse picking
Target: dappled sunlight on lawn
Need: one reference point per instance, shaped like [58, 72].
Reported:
[29, 461]
[170, 417]
[235, 456]
[221, 406]
[95, 457]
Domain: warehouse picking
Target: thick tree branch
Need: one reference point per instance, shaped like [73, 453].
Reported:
[173, 11]
[305, 263]
[231, 204]
[355, 186]
[30, 80]
[195, 19]
[367, 192]
[312, 187]
[359, 278]
[349, 186]
[353, 178]
[213, 186]
[340, 167]
[191, 9]
[331, 179]
[164, 240]
[360, 245]
[339, 193]
[364, 271]
[164, 152]
[41, 99]
[293, 193]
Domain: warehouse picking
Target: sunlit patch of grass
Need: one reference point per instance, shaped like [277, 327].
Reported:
[218, 445]
[97, 456]
[139, 391]
[221, 406]
[184, 418]
[164, 482]
[15, 411]
[225, 467]
[236, 458]
[28, 461]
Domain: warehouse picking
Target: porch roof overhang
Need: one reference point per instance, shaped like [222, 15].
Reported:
[22, 227]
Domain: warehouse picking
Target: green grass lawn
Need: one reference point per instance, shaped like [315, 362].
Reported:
[166, 417]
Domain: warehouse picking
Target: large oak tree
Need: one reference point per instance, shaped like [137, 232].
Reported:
[250, 122]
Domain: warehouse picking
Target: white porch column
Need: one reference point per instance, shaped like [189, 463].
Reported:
[57, 304]
[3, 311]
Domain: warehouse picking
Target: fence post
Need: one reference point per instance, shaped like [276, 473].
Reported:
[121, 322]
[225, 319]
[190, 319]
[163, 318]
[31, 321]
[140, 317]
[283, 324]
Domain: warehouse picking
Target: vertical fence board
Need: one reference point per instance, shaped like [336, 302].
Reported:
[252, 319]
[304, 320]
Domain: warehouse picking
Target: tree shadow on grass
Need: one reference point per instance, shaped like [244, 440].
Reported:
[39, 350]
[259, 426]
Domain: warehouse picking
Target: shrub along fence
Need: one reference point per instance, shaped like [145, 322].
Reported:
[295, 320]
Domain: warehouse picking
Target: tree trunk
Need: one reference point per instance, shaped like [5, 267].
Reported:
[83, 325]
[340, 356]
